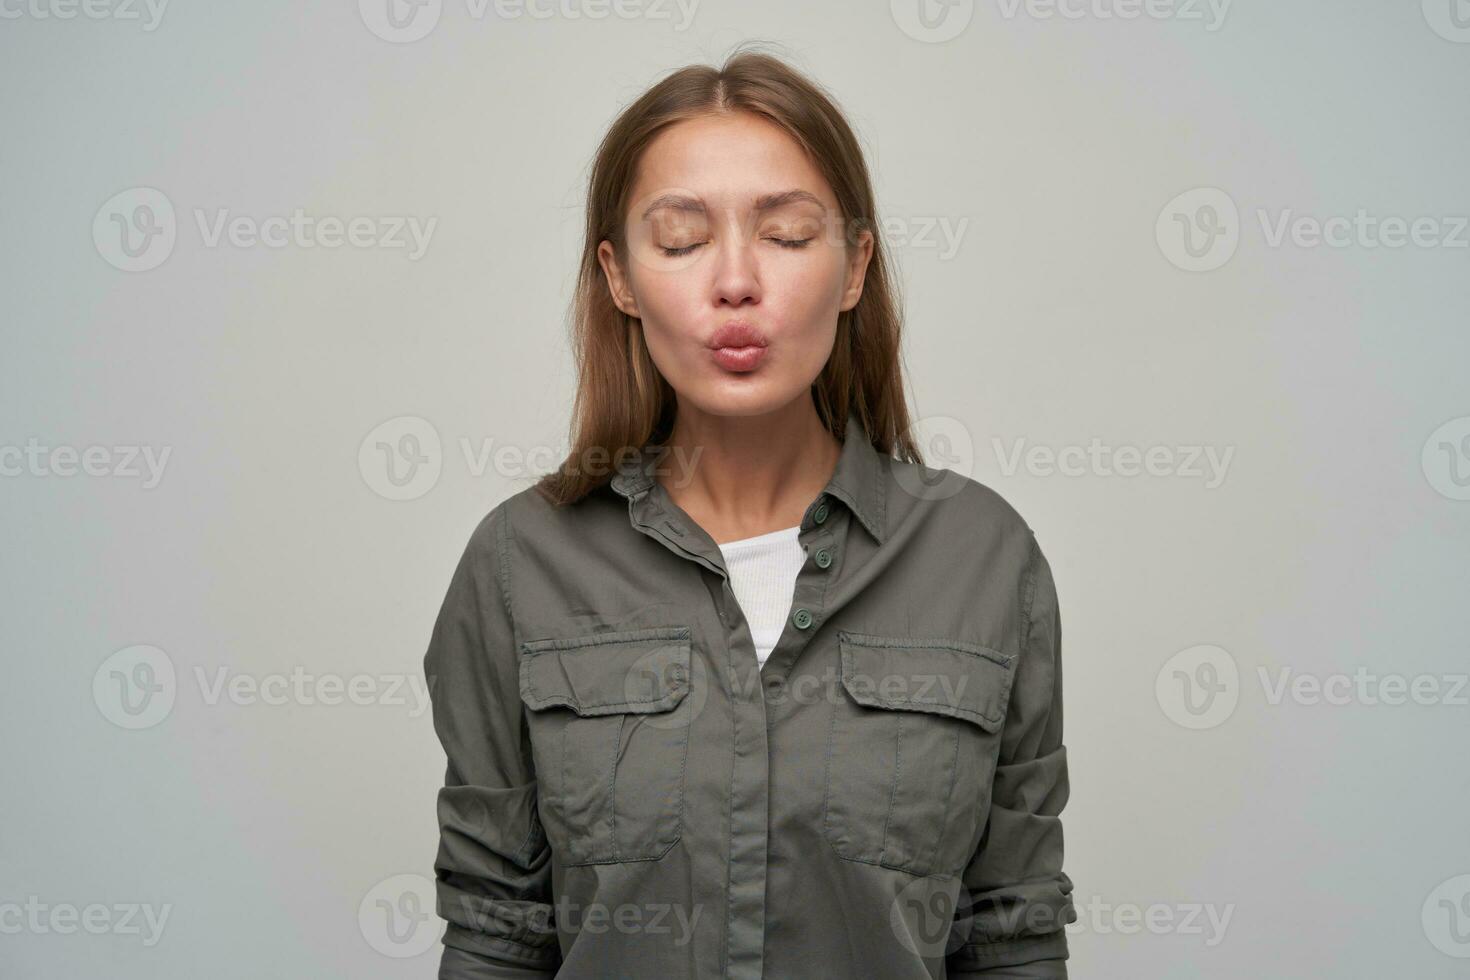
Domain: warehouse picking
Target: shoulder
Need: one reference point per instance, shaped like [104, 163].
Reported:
[956, 500]
[527, 517]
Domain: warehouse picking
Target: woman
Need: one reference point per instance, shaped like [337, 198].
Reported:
[759, 695]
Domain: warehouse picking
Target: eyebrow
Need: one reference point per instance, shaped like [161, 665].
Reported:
[766, 202]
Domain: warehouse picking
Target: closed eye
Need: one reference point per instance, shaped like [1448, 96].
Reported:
[792, 243]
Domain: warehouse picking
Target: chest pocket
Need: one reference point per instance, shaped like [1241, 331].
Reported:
[609, 727]
[912, 748]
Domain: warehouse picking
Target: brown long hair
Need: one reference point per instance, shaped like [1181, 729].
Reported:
[622, 401]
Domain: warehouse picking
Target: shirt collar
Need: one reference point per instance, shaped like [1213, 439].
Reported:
[858, 481]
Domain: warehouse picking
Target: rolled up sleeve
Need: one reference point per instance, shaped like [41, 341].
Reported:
[493, 866]
[1016, 899]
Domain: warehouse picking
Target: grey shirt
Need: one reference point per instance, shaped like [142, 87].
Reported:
[629, 794]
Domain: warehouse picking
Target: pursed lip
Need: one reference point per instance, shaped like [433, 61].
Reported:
[737, 334]
[738, 347]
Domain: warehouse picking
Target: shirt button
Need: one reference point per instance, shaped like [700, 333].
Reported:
[824, 558]
[802, 619]
[821, 512]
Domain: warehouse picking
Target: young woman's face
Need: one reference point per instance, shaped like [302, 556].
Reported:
[732, 227]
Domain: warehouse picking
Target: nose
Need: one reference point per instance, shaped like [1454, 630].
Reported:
[737, 271]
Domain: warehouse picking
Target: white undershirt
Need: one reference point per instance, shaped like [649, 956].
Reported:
[763, 572]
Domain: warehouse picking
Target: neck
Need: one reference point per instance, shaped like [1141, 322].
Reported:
[750, 474]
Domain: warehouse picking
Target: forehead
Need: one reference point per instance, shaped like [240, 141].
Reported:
[727, 160]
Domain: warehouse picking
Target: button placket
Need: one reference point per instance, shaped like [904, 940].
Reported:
[811, 588]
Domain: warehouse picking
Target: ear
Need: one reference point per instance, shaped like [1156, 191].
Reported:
[618, 282]
[859, 255]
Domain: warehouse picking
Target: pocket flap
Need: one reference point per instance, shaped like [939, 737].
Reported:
[943, 677]
[628, 671]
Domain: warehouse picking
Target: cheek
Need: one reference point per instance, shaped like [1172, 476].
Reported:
[664, 299]
[671, 307]
[806, 291]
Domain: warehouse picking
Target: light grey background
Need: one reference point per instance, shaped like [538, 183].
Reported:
[1264, 836]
